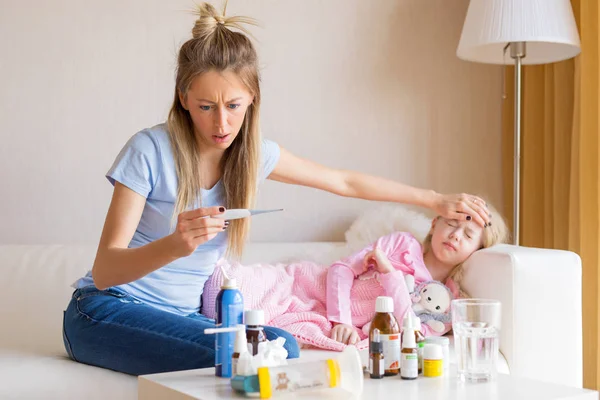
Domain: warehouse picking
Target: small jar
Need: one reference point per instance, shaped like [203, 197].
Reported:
[444, 342]
[433, 360]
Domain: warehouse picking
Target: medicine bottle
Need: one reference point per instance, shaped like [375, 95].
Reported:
[432, 360]
[389, 334]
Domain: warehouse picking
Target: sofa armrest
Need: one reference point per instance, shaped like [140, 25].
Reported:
[540, 291]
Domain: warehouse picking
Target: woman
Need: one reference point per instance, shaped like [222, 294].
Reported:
[136, 311]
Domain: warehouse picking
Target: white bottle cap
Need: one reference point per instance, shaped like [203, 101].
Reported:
[228, 283]
[384, 304]
[441, 340]
[408, 336]
[241, 344]
[254, 317]
[417, 324]
[432, 352]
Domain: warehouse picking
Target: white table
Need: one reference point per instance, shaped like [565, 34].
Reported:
[201, 384]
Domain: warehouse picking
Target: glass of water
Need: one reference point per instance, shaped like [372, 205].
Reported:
[476, 326]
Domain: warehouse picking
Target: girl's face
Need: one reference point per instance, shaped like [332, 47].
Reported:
[453, 241]
[217, 103]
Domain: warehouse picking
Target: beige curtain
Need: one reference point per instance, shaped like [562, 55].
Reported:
[560, 167]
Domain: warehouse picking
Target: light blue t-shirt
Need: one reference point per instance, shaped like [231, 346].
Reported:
[146, 166]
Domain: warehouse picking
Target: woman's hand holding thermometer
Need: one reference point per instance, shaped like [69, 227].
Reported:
[198, 226]
[195, 228]
[237, 213]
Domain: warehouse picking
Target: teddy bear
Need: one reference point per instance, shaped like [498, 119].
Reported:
[430, 302]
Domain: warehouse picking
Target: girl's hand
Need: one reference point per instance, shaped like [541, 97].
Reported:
[378, 258]
[345, 334]
[462, 207]
[195, 227]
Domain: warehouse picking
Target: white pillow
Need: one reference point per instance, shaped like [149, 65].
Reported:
[383, 220]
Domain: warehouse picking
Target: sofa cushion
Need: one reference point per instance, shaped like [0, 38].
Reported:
[37, 280]
[34, 376]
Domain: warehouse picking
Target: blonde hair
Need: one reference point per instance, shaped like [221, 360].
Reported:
[494, 234]
[215, 47]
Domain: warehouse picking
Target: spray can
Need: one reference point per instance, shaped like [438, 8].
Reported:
[230, 313]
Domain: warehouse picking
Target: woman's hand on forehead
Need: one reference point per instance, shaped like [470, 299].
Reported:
[463, 207]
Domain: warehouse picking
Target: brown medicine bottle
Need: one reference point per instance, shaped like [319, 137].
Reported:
[255, 332]
[420, 342]
[389, 334]
[376, 368]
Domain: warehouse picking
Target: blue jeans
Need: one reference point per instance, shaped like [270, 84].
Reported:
[111, 329]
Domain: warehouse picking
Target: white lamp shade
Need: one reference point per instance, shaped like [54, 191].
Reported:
[547, 26]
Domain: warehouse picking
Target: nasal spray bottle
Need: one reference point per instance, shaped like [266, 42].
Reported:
[230, 313]
[240, 347]
[409, 359]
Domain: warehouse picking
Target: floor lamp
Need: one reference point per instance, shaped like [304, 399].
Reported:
[520, 32]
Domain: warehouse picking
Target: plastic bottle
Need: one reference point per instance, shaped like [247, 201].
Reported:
[343, 372]
[409, 362]
[255, 332]
[389, 333]
[433, 360]
[376, 360]
[444, 342]
[420, 338]
[230, 312]
[240, 347]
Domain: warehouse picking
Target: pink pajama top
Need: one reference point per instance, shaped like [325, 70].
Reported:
[351, 297]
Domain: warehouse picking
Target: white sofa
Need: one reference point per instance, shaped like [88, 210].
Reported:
[540, 291]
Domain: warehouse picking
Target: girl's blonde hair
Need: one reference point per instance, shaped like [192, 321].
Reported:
[494, 234]
[215, 47]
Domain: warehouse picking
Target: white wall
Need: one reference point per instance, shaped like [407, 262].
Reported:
[373, 86]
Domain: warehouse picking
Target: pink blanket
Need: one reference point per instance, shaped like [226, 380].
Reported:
[291, 295]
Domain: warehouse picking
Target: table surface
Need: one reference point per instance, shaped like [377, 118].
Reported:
[202, 384]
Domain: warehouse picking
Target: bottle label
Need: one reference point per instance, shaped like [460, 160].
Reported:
[391, 350]
[409, 367]
[372, 366]
[234, 364]
[432, 367]
[298, 377]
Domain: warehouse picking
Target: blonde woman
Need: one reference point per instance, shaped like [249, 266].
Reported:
[137, 310]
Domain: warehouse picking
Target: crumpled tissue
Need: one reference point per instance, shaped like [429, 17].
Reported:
[270, 354]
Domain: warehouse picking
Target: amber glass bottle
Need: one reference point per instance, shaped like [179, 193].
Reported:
[420, 339]
[389, 334]
[376, 360]
[255, 332]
